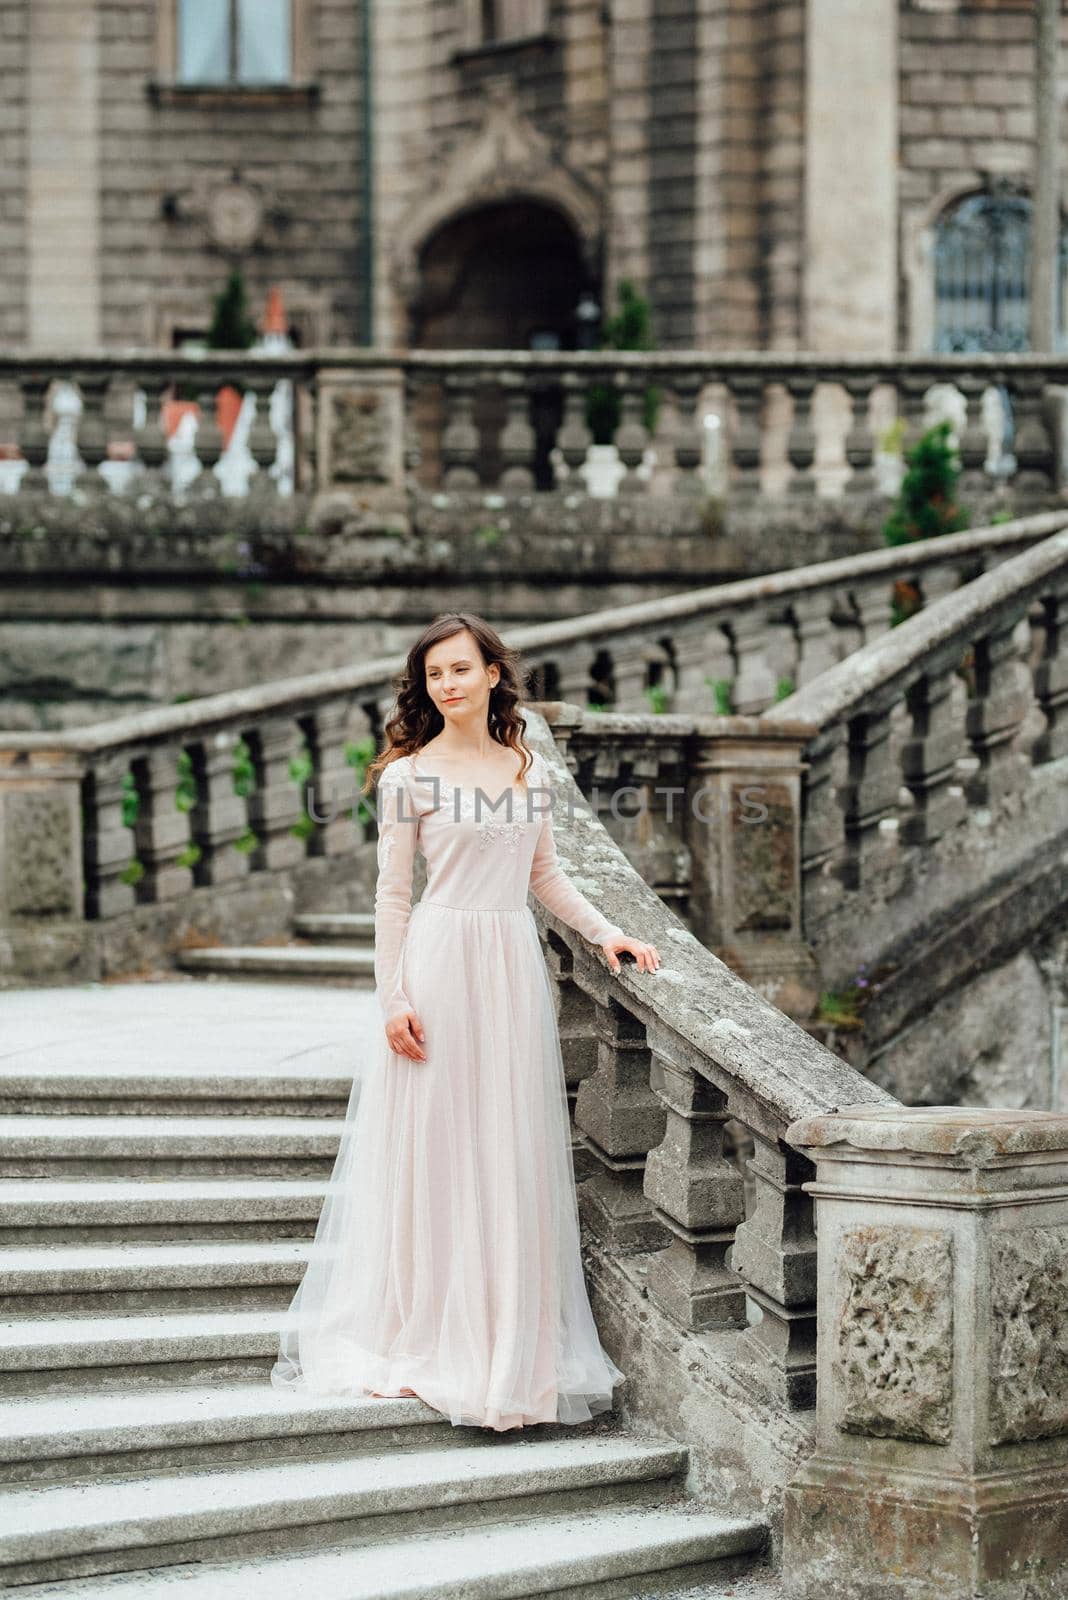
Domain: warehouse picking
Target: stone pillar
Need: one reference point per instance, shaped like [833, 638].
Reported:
[851, 84]
[941, 1462]
[743, 815]
[63, 176]
[360, 439]
[42, 931]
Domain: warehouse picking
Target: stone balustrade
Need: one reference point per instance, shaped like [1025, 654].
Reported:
[961, 708]
[508, 425]
[111, 828]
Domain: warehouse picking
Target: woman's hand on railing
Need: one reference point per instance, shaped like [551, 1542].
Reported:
[646, 956]
[405, 1035]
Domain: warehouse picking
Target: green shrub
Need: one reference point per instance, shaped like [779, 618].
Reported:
[926, 503]
[629, 329]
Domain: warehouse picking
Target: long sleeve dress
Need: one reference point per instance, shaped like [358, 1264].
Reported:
[447, 1257]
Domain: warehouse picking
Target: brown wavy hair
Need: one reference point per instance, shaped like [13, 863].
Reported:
[417, 719]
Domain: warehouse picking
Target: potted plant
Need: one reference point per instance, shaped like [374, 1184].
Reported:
[629, 329]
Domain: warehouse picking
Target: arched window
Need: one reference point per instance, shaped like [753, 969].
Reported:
[982, 266]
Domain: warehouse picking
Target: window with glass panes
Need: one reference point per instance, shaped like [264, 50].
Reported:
[235, 41]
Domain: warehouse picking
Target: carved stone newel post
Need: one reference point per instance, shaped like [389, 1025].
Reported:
[941, 1462]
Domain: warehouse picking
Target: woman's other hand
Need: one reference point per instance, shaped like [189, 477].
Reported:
[405, 1035]
[646, 956]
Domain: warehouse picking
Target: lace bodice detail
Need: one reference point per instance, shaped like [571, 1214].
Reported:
[485, 850]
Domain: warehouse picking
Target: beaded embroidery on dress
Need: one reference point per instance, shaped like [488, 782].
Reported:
[447, 1259]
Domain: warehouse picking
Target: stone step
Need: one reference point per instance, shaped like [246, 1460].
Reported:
[636, 1551]
[299, 962]
[49, 1353]
[62, 1146]
[49, 1211]
[54, 1278]
[119, 1091]
[86, 1435]
[345, 927]
[61, 1530]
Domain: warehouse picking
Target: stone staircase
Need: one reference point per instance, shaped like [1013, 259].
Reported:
[165, 1150]
[326, 944]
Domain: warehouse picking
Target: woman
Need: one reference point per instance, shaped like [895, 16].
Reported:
[446, 1262]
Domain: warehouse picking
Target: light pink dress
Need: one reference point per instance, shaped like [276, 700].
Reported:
[447, 1256]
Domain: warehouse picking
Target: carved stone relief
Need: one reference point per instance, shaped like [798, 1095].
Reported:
[894, 1333]
[1028, 1334]
[358, 441]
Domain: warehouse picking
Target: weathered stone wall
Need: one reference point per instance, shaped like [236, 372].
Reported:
[305, 159]
[967, 95]
[14, 21]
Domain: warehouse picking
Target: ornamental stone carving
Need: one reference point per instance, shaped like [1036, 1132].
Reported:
[894, 1333]
[358, 443]
[1028, 1334]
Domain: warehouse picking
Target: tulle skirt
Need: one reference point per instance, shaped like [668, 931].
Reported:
[446, 1259]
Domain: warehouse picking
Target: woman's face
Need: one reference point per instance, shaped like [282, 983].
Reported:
[458, 680]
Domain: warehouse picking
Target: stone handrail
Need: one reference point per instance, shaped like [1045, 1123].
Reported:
[741, 423]
[933, 717]
[676, 1055]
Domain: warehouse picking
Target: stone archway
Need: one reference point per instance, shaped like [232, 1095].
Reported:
[505, 276]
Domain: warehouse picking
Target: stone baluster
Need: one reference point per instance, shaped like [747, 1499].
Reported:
[695, 1192]
[93, 387]
[620, 1120]
[872, 602]
[940, 1468]
[817, 643]
[337, 833]
[973, 441]
[33, 435]
[747, 392]
[743, 828]
[162, 832]
[518, 441]
[912, 386]
[576, 1021]
[936, 582]
[702, 656]
[573, 667]
[219, 820]
[276, 804]
[1001, 700]
[630, 668]
[1051, 680]
[460, 441]
[574, 437]
[860, 441]
[110, 843]
[801, 444]
[262, 444]
[823, 835]
[1032, 445]
[755, 682]
[150, 438]
[869, 794]
[688, 440]
[929, 758]
[774, 1253]
[632, 436]
[209, 439]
